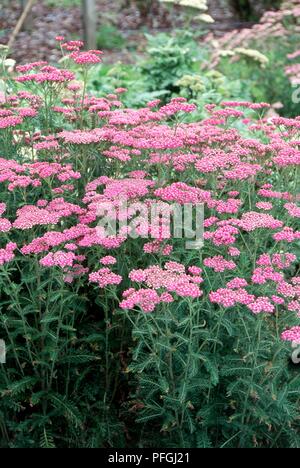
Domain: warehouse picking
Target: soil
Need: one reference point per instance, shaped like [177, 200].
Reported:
[37, 40]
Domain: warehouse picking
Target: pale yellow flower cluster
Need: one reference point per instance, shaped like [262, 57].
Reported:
[254, 54]
[205, 18]
[5, 62]
[3, 51]
[193, 82]
[242, 51]
[198, 4]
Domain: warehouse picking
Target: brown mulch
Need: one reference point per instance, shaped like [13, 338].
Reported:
[37, 42]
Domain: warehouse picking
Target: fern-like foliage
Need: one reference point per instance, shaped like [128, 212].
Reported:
[207, 380]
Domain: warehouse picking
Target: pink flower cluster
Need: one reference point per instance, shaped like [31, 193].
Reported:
[46, 74]
[61, 259]
[219, 264]
[7, 254]
[91, 57]
[228, 297]
[29, 215]
[292, 335]
[100, 154]
[25, 175]
[170, 279]
[105, 277]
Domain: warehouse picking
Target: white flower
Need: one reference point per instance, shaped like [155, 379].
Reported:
[9, 63]
[205, 18]
[198, 4]
[226, 53]
[254, 54]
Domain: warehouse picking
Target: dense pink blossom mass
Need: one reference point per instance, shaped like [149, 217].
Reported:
[150, 231]
[292, 335]
[103, 158]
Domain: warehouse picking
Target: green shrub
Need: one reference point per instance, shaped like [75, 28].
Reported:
[108, 37]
